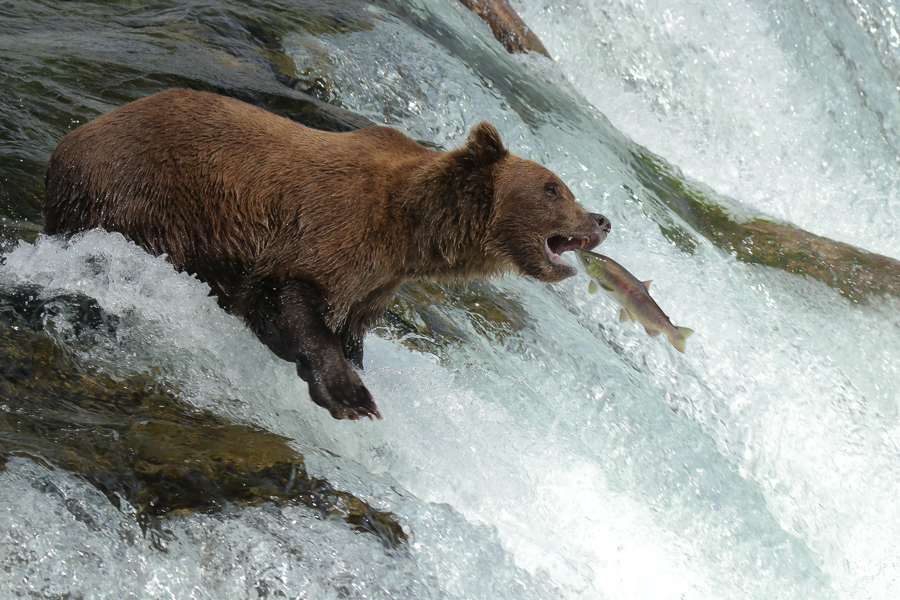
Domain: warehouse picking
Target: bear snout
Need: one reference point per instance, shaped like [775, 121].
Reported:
[603, 225]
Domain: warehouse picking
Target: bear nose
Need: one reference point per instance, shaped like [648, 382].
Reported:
[603, 223]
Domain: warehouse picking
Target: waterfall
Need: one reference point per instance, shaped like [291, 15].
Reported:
[550, 451]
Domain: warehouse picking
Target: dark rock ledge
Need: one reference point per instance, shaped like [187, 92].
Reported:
[135, 440]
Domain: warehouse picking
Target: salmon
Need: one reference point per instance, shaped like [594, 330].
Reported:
[632, 295]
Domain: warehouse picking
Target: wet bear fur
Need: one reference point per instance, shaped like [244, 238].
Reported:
[307, 234]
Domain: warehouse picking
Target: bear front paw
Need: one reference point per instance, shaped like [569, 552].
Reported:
[342, 393]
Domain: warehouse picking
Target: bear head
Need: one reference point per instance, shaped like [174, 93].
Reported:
[534, 216]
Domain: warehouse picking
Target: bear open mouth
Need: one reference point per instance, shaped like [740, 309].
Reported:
[555, 245]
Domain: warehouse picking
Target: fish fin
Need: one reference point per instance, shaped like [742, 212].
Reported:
[606, 287]
[679, 343]
[623, 316]
[647, 285]
[592, 288]
[651, 332]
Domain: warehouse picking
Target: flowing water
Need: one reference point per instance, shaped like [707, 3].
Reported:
[569, 456]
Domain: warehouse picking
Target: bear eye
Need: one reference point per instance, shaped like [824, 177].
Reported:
[550, 190]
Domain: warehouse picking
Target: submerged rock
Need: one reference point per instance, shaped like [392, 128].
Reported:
[134, 440]
[857, 274]
[428, 316]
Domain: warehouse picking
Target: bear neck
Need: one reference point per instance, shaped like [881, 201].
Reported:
[447, 206]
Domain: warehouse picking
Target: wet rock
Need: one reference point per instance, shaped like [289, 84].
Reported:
[134, 440]
[857, 274]
[427, 316]
[506, 26]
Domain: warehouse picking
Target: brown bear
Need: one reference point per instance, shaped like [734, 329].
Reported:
[308, 234]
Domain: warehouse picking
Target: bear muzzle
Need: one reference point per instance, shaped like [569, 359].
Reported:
[555, 245]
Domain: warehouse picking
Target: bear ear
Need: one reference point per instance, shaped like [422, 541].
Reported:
[484, 143]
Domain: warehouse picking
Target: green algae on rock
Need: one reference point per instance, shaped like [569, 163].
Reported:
[857, 274]
[134, 440]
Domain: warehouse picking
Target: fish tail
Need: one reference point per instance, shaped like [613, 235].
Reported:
[679, 342]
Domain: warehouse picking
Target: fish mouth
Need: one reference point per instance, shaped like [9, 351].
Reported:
[555, 245]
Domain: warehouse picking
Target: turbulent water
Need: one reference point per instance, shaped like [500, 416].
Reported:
[575, 457]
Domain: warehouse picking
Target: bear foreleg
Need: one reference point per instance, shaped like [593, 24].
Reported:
[290, 323]
[353, 348]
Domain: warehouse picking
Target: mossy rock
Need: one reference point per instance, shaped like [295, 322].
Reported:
[857, 274]
[134, 440]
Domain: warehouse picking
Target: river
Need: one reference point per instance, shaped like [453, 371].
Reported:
[550, 452]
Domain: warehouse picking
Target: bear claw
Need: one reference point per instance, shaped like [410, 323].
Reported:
[345, 397]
